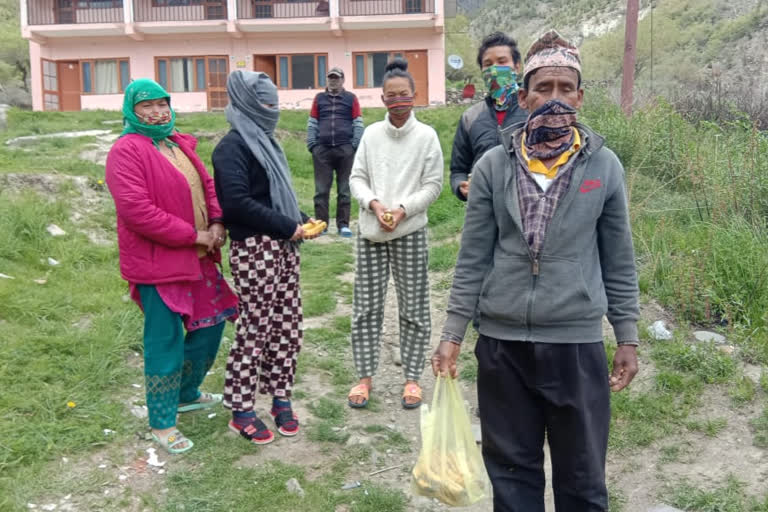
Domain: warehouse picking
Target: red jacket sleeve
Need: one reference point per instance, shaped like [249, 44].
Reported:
[313, 111]
[126, 182]
[356, 111]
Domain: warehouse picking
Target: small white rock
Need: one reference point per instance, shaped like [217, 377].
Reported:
[55, 230]
[6, 276]
[31, 506]
[108, 431]
[705, 336]
[50, 506]
[152, 460]
[659, 331]
[102, 466]
[137, 386]
[212, 415]
[294, 487]
[122, 477]
[52, 262]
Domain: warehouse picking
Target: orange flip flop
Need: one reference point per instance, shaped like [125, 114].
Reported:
[411, 391]
[359, 390]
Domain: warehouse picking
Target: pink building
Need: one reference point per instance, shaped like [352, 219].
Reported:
[83, 53]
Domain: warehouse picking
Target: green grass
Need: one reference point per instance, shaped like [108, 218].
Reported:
[710, 428]
[728, 497]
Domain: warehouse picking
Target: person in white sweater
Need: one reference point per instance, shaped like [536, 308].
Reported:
[397, 174]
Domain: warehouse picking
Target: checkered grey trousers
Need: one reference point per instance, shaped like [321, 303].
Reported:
[408, 258]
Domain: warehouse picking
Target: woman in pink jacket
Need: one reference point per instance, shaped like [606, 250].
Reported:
[170, 234]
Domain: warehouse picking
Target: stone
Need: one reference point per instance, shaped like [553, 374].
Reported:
[140, 411]
[356, 439]
[659, 331]
[55, 230]
[707, 336]
[294, 487]
[664, 508]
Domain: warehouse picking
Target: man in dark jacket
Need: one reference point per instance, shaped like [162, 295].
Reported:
[545, 253]
[333, 132]
[478, 130]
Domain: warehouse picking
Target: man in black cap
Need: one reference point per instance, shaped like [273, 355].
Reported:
[333, 132]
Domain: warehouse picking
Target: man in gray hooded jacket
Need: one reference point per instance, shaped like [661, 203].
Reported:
[546, 252]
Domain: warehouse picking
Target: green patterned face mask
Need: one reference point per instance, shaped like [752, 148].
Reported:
[140, 90]
[501, 83]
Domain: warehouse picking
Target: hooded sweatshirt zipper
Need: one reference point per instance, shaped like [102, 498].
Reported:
[535, 260]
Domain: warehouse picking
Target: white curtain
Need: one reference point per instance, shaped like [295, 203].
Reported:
[106, 77]
[182, 75]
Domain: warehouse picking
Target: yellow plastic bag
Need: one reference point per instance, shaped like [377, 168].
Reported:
[450, 467]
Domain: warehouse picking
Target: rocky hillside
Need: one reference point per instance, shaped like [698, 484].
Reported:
[684, 41]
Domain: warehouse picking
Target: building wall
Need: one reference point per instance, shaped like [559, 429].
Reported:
[240, 53]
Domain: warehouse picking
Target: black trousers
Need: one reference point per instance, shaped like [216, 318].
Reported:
[328, 159]
[529, 390]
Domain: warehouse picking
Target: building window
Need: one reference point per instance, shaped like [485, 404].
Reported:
[50, 86]
[50, 76]
[105, 76]
[181, 74]
[369, 67]
[301, 71]
[99, 4]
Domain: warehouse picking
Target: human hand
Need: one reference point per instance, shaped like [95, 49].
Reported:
[298, 234]
[624, 367]
[206, 239]
[397, 216]
[444, 359]
[382, 213]
[219, 233]
[464, 188]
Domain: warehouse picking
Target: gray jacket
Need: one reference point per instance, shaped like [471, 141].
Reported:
[586, 267]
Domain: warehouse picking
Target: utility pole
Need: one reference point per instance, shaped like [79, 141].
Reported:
[630, 55]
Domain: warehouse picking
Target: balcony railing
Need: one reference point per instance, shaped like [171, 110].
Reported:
[179, 10]
[375, 7]
[55, 12]
[61, 12]
[249, 9]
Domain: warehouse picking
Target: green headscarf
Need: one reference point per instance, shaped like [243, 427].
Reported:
[139, 90]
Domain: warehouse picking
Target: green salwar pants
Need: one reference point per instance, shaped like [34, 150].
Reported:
[175, 364]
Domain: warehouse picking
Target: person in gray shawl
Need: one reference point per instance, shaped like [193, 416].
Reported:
[253, 184]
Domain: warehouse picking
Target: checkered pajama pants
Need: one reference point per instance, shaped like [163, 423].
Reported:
[408, 259]
[268, 330]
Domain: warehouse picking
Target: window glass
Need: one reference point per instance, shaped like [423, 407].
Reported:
[359, 70]
[200, 65]
[86, 67]
[162, 73]
[284, 72]
[321, 70]
[303, 71]
[105, 77]
[379, 64]
[125, 74]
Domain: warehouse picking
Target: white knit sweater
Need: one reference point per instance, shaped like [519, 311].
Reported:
[399, 167]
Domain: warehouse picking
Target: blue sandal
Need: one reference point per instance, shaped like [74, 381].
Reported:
[173, 439]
